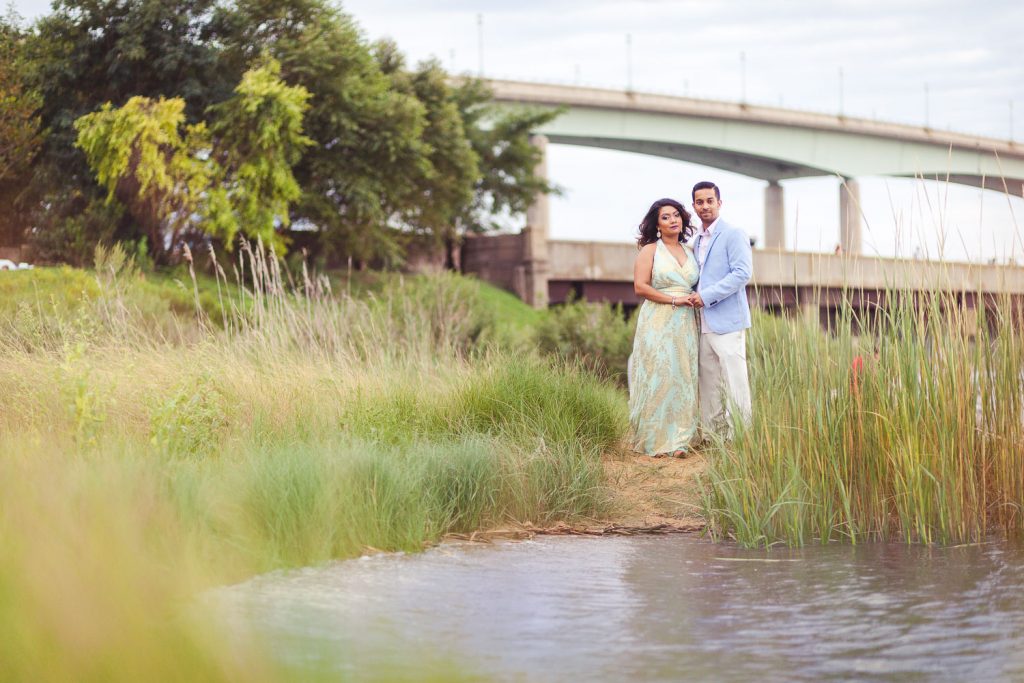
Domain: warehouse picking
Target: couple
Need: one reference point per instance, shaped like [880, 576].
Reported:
[695, 306]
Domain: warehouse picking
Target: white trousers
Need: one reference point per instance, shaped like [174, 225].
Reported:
[723, 382]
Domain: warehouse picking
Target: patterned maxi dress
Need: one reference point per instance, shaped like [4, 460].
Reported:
[663, 365]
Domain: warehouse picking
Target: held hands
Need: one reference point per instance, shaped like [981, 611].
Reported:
[693, 300]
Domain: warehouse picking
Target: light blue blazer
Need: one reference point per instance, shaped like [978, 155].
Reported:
[724, 277]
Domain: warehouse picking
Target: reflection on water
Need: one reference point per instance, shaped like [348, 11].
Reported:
[676, 608]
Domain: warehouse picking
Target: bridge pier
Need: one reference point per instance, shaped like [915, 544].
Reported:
[774, 216]
[849, 217]
[535, 268]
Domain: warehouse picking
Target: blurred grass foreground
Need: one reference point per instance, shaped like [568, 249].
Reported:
[147, 453]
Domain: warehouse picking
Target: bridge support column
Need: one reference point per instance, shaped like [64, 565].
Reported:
[849, 216]
[774, 216]
[535, 236]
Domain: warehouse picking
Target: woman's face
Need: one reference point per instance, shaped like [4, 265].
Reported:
[670, 221]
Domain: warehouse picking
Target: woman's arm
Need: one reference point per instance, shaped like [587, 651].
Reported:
[642, 271]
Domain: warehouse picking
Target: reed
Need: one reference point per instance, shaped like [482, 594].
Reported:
[145, 456]
[905, 422]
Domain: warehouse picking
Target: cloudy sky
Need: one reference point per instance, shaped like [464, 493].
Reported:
[943, 63]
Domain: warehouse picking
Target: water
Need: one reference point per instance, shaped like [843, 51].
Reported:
[648, 608]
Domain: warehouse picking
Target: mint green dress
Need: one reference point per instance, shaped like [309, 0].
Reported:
[663, 366]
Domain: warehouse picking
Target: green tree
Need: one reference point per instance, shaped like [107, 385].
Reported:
[370, 155]
[507, 183]
[258, 138]
[85, 53]
[232, 176]
[445, 191]
[19, 105]
[398, 151]
[20, 133]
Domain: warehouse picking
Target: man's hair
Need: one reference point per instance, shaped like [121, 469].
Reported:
[706, 185]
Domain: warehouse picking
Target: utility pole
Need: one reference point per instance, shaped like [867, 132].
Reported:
[480, 42]
[927, 121]
[841, 110]
[629, 62]
[743, 77]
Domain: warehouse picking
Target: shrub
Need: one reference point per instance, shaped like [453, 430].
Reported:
[598, 336]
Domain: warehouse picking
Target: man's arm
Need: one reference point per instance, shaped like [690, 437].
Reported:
[737, 250]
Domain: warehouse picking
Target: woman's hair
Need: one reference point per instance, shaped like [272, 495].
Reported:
[649, 225]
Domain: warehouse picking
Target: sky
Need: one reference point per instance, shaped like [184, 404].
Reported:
[948, 64]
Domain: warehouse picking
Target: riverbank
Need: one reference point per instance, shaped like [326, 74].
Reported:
[644, 496]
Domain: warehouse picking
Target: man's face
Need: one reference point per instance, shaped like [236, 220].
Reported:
[706, 205]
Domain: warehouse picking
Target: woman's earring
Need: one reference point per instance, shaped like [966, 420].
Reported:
[659, 233]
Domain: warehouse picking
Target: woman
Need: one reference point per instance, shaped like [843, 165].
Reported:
[663, 365]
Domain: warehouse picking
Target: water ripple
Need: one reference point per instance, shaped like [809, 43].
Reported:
[650, 609]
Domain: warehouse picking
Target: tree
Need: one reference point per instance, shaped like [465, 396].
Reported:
[232, 176]
[397, 151]
[19, 119]
[446, 190]
[88, 52]
[85, 53]
[370, 156]
[507, 183]
[258, 138]
[140, 157]
[20, 134]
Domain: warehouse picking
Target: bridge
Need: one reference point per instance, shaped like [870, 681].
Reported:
[768, 143]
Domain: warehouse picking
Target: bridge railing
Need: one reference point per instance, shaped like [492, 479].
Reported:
[574, 260]
[602, 271]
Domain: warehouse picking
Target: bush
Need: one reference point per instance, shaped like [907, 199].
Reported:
[598, 336]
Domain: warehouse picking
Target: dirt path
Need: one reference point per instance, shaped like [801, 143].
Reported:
[649, 492]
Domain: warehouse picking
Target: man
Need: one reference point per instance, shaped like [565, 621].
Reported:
[724, 258]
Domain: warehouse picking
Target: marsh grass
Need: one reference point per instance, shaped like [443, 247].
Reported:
[145, 456]
[905, 422]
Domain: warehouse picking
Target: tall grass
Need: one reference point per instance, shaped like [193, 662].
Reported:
[145, 456]
[906, 422]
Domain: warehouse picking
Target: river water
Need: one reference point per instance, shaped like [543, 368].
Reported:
[647, 608]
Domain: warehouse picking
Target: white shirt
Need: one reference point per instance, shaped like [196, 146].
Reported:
[705, 244]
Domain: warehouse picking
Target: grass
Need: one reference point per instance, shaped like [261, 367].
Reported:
[151, 447]
[145, 456]
[914, 431]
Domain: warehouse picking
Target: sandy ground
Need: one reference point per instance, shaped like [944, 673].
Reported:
[649, 492]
